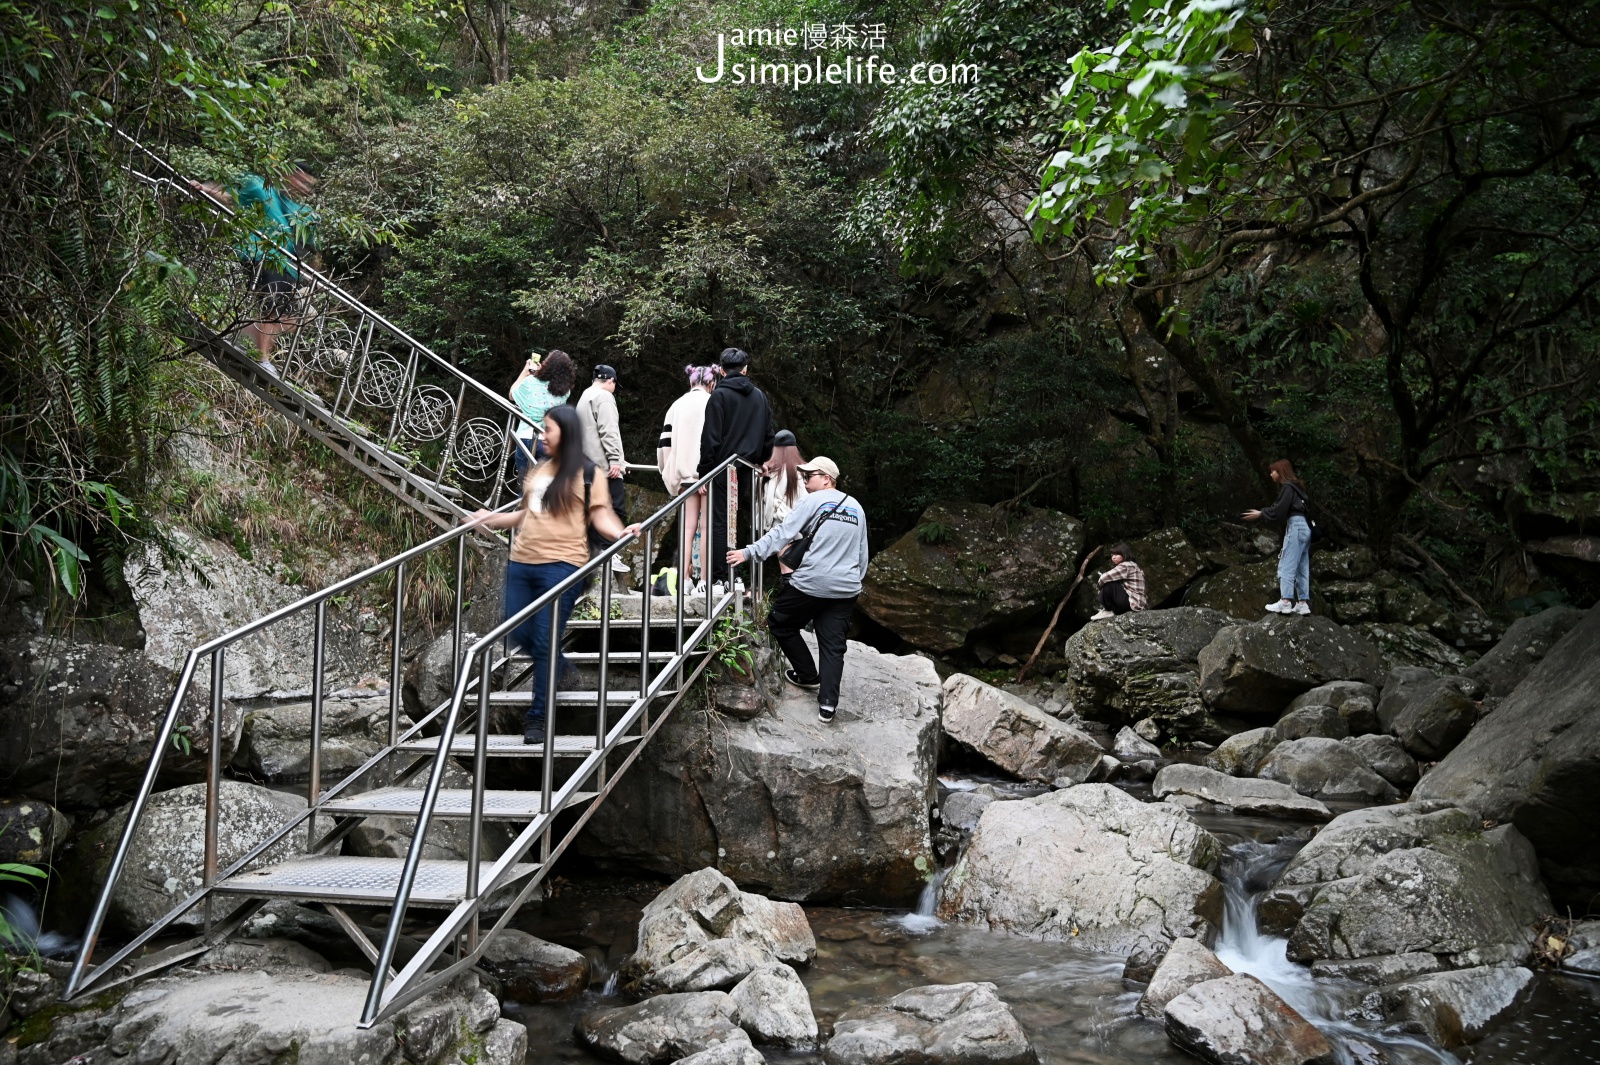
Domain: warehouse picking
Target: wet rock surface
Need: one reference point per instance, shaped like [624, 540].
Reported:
[703, 933]
[662, 1029]
[1412, 878]
[1187, 963]
[954, 1024]
[1241, 754]
[786, 805]
[1453, 1009]
[1092, 864]
[532, 970]
[1238, 1020]
[1015, 736]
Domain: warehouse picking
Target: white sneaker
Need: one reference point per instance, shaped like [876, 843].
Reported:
[1102, 615]
[1302, 607]
[1282, 606]
[266, 364]
[617, 565]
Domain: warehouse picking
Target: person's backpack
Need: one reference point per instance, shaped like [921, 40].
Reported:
[665, 582]
[795, 552]
[1318, 537]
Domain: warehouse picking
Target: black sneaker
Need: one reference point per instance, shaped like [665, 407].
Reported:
[825, 714]
[533, 735]
[810, 686]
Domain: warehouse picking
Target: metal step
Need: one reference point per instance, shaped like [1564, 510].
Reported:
[452, 803]
[592, 658]
[509, 746]
[657, 621]
[569, 698]
[340, 878]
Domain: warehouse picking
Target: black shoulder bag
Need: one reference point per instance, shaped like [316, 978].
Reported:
[795, 552]
[1317, 535]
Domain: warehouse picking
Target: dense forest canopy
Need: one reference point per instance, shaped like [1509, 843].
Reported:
[1153, 246]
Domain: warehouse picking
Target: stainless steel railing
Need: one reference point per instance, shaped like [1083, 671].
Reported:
[473, 673]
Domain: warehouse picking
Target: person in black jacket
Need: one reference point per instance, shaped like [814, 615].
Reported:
[738, 422]
[1294, 560]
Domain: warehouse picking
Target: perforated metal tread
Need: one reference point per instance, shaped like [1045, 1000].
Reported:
[617, 658]
[452, 803]
[614, 697]
[340, 878]
[657, 621]
[509, 746]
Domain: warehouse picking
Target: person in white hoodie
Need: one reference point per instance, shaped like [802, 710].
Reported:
[678, 451]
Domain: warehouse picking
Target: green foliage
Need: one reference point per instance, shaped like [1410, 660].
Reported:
[733, 640]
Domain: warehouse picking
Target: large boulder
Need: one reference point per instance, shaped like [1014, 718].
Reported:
[1454, 1009]
[261, 1010]
[967, 567]
[784, 804]
[1239, 591]
[1385, 756]
[702, 933]
[774, 1007]
[1355, 702]
[1435, 717]
[1534, 762]
[1143, 665]
[942, 1024]
[1523, 646]
[167, 859]
[1187, 962]
[1188, 785]
[1321, 721]
[78, 722]
[1353, 563]
[1091, 864]
[276, 740]
[1258, 668]
[1410, 878]
[1241, 754]
[1169, 560]
[1015, 736]
[1238, 1020]
[1326, 769]
[662, 1029]
[531, 970]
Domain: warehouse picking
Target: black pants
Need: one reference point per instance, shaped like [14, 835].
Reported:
[831, 619]
[619, 503]
[718, 510]
[1114, 597]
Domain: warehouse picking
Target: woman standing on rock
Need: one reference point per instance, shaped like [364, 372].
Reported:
[1294, 560]
[550, 543]
[678, 455]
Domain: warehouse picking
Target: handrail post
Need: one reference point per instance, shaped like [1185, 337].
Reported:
[552, 664]
[395, 630]
[461, 592]
[645, 601]
[480, 760]
[318, 660]
[685, 568]
[601, 729]
[213, 777]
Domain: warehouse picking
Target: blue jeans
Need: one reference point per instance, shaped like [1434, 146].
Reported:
[1294, 561]
[526, 582]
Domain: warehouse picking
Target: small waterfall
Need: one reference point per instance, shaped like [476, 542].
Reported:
[1249, 869]
[922, 919]
[23, 921]
[609, 989]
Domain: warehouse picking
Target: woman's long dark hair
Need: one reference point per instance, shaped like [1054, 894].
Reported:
[558, 372]
[567, 461]
[1285, 470]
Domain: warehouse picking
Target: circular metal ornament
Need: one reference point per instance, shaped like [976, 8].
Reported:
[478, 444]
[428, 416]
[381, 380]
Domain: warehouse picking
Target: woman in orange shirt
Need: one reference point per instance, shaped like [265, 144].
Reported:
[550, 543]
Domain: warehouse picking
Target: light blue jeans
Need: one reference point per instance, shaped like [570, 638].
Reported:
[1294, 561]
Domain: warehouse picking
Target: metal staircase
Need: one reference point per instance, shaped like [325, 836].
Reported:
[435, 437]
[440, 914]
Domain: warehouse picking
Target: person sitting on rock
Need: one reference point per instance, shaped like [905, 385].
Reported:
[826, 538]
[1121, 586]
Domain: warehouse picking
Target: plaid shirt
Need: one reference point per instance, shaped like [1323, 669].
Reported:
[1132, 578]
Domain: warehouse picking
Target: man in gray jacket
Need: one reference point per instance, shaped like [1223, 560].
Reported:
[602, 445]
[824, 587]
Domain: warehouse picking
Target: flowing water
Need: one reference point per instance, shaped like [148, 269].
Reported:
[1072, 1002]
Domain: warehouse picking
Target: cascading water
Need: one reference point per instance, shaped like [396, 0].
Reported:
[923, 920]
[1248, 869]
[22, 920]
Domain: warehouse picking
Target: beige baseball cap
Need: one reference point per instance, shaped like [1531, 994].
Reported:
[820, 464]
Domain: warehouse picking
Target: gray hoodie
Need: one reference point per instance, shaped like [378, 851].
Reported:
[837, 559]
